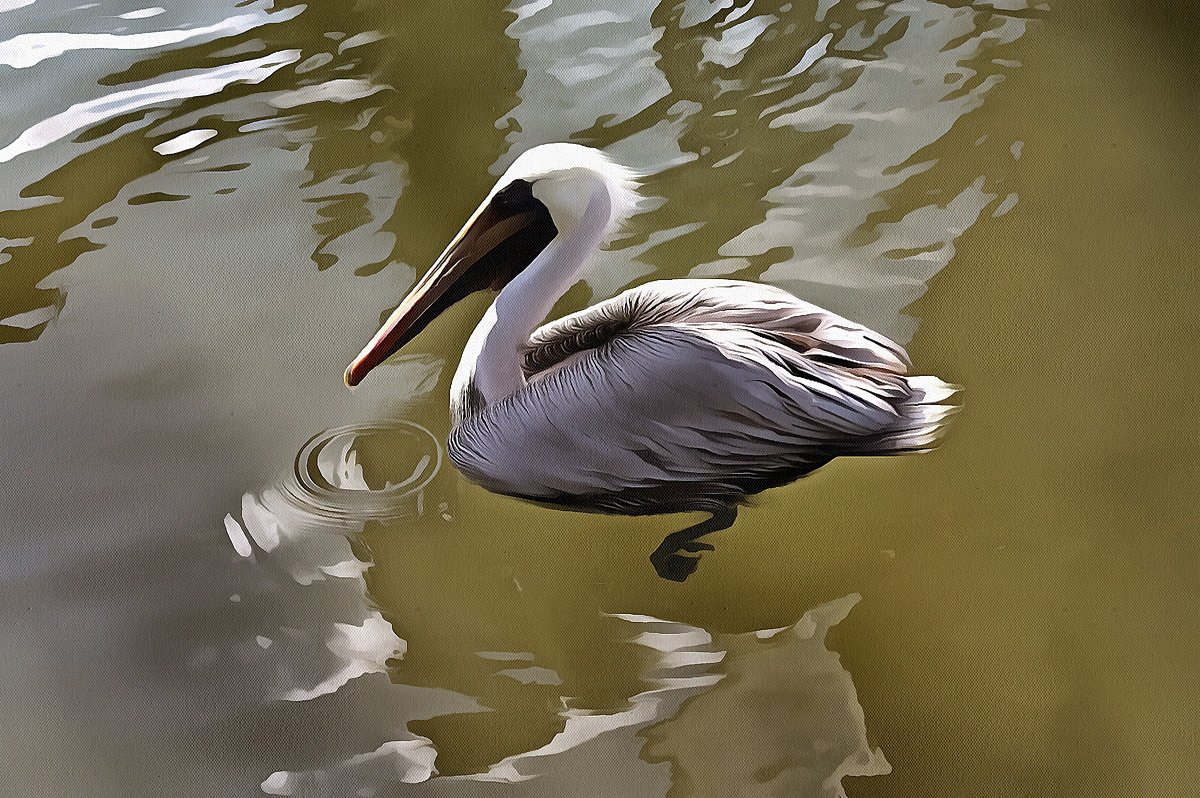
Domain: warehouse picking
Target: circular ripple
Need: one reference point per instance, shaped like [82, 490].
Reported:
[329, 476]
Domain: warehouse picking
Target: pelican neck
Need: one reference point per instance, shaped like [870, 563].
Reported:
[491, 367]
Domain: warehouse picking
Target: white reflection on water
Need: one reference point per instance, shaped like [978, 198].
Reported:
[697, 686]
[199, 83]
[185, 141]
[284, 539]
[580, 65]
[702, 712]
[30, 49]
[895, 108]
[143, 13]
[338, 91]
[885, 80]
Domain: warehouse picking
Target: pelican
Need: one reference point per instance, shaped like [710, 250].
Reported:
[674, 396]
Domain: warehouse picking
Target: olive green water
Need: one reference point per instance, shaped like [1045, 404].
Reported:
[1011, 190]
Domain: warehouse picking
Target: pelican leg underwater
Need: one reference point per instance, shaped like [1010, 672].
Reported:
[675, 396]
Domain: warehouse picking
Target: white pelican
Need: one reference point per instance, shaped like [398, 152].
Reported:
[678, 395]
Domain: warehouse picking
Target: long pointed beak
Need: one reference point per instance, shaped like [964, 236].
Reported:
[487, 228]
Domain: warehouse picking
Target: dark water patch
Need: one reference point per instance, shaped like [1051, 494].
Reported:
[156, 196]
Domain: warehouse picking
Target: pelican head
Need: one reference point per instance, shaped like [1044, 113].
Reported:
[548, 192]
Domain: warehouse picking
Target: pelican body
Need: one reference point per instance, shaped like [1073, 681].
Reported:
[677, 395]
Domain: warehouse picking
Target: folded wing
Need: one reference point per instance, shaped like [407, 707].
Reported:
[695, 389]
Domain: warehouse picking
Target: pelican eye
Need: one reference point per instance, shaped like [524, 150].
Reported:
[515, 195]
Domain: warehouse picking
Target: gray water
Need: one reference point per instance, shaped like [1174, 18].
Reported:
[221, 573]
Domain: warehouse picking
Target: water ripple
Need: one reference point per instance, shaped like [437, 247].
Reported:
[701, 711]
[30, 49]
[199, 83]
[329, 479]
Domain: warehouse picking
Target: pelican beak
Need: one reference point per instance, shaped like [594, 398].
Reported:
[487, 252]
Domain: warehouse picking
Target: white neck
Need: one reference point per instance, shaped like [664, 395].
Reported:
[491, 364]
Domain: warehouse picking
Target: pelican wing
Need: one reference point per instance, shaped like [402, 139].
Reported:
[773, 312]
[693, 388]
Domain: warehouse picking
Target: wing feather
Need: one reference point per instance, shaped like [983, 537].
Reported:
[822, 335]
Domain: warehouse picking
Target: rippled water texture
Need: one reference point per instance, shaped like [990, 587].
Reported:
[221, 573]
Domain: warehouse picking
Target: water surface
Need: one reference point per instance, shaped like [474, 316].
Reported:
[223, 574]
